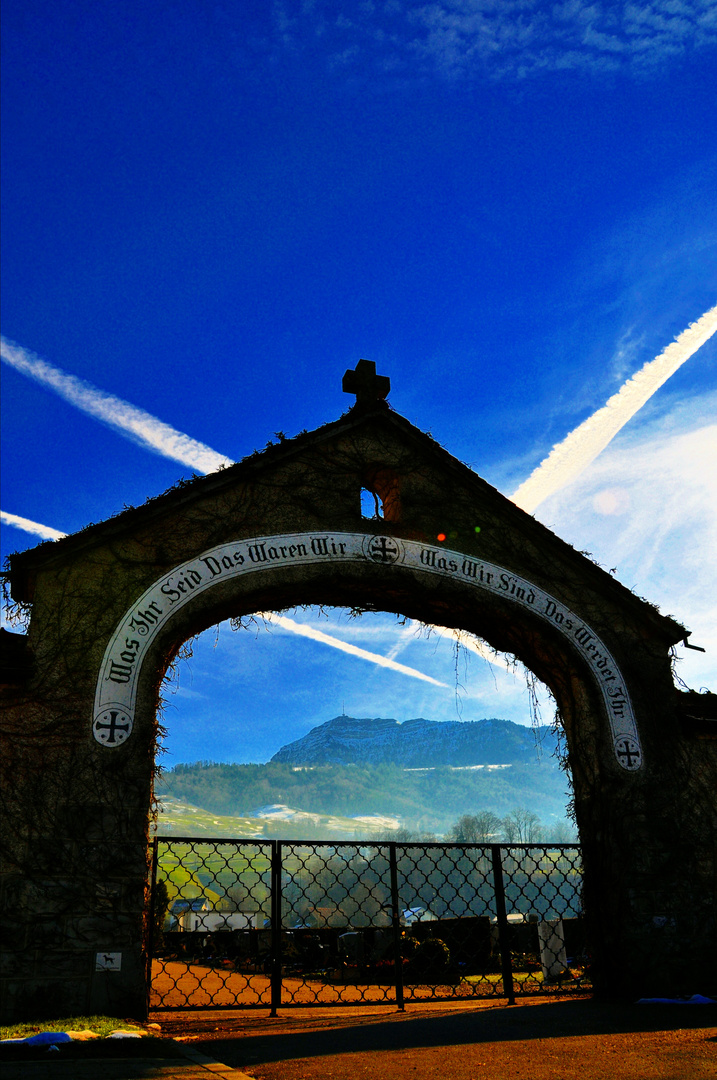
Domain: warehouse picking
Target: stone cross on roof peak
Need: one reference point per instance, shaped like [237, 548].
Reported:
[365, 383]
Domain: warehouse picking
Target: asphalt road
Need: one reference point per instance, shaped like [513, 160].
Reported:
[543, 1040]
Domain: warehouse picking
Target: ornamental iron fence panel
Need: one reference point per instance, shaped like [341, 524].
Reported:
[241, 924]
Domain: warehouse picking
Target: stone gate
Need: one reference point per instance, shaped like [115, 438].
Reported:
[110, 606]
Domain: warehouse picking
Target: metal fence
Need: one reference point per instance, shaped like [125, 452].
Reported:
[237, 924]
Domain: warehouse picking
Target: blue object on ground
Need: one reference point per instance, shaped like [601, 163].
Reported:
[696, 999]
[49, 1038]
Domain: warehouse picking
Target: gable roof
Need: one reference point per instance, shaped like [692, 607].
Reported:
[376, 415]
[250, 467]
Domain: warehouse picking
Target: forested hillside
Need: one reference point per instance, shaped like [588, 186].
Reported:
[425, 799]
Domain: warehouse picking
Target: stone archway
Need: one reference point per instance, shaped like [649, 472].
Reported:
[111, 605]
[285, 559]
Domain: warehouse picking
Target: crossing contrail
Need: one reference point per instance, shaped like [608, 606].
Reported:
[31, 526]
[136, 424]
[326, 639]
[573, 455]
[466, 640]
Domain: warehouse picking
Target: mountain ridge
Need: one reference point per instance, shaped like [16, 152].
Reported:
[416, 743]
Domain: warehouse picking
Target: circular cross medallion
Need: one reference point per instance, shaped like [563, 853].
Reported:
[382, 549]
[628, 752]
[112, 726]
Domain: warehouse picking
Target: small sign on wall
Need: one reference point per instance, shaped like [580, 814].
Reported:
[108, 961]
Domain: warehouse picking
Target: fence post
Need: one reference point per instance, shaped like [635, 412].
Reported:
[275, 926]
[396, 922]
[150, 928]
[505, 961]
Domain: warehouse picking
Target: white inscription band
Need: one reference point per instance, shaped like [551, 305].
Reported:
[119, 675]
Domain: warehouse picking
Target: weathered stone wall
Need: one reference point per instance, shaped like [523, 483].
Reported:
[75, 813]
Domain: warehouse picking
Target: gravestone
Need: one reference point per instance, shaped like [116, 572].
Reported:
[553, 956]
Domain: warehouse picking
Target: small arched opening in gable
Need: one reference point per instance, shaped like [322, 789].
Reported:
[381, 494]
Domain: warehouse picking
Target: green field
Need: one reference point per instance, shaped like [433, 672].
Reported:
[178, 817]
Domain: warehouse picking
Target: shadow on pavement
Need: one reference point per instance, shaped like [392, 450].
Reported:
[553, 1020]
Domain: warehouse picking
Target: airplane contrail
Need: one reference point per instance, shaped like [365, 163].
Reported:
[464, 639]
[136, 424]
[31, 526]
[375, 658]
[301, 629]
[573, 455]
[467, 641]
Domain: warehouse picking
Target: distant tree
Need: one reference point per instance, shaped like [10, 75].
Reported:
[249, 896]
[560, 832]
[402, 836]
[419, 835]
[481, 828]
[522, 826]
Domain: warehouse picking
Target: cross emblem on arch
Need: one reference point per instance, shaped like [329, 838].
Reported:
[628, 753]
[112, 727]
[383, 549]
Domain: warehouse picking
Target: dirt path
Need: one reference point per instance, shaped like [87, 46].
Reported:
[177, 984]
[536, 1040]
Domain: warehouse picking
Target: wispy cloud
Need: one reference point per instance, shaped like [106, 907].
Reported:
[31, 526]
[571, 457]
[527, 37]
[509, 39]
[303, 630]
[135, 424]
[647, 508]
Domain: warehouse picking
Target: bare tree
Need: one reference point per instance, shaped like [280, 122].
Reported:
[481, 828]
[560, 832]
[522, 826]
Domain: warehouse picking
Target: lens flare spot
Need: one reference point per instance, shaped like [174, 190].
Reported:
[612, 500]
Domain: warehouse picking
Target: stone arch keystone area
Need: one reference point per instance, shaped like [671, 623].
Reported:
[110, 606]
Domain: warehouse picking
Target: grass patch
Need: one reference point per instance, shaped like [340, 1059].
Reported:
[101, 1025]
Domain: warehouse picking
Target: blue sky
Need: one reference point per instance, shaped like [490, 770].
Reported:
[210, 211]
